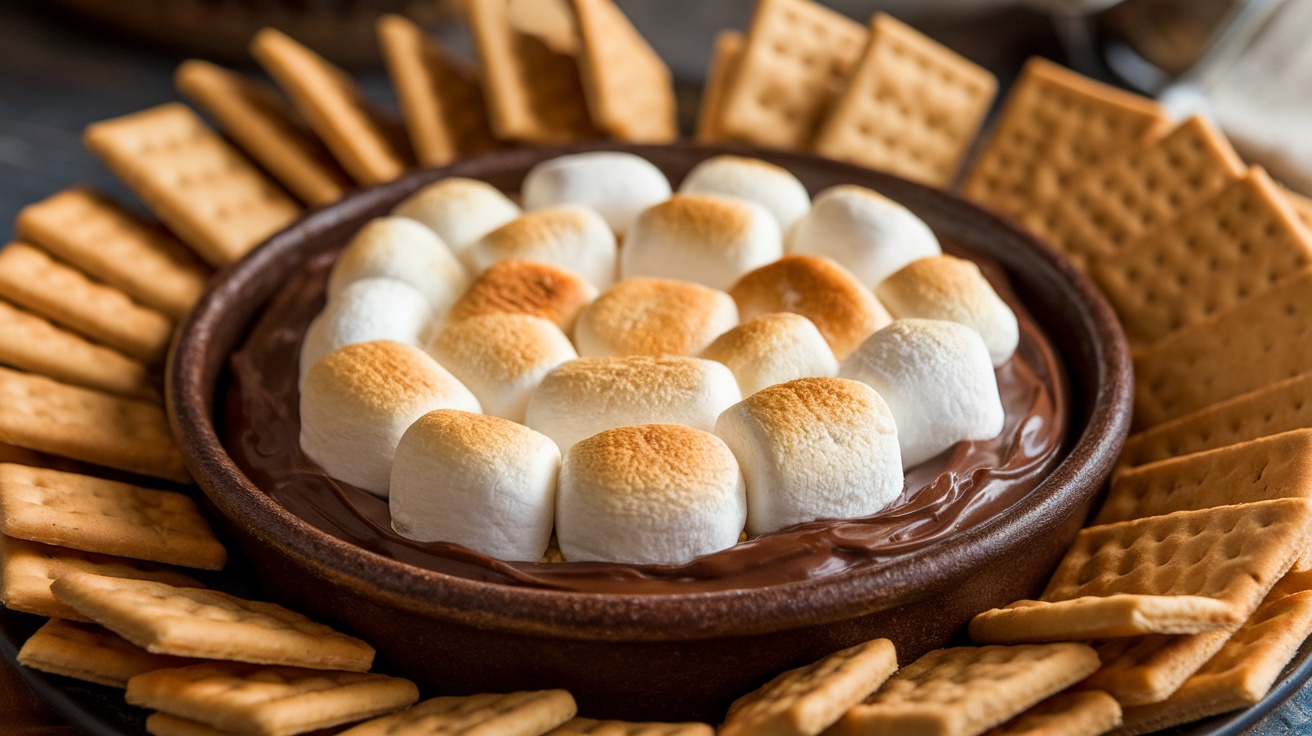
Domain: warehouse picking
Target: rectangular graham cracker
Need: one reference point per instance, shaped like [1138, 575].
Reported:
[1183, 573]
[42, 414]
[255, 700]
[254, 117]
[114, 246]
[186, 622]
[1082, 713]
[724, 65]
[513, 714]
[32, 343]
[31, 279]
[1055, 124]
[1128, 195]
[89, 652]
[807, 700]
[1279, 466]
[369, 146]
[911, 106]
[1255, 344]
[195, 182]
[796, 61]
[1233, 246]
[968, 690]
[163, 724]
[96, 515]
[590, 727]
[1146, 669]
[440, 96]
[28, 569]
[629, 90]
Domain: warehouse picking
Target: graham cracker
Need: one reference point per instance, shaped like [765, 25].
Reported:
[187, 622]
[1255, 344]
[440, 95]
[42, 414]
[89, 652]
[807, 700]
[97, 515]
[195, 182]
[29, 569]
[1082, 713]
[513, 714]
[163, 724]
[534, 94]
[1129, 195]
[1146, 669]
[911, 106]
[254, 700]
[254, 117]
[1302, 207]
[31, 279]
[1055, 124]
[112, 245]
[590, 727]
[724, 65]
[1279, 466]
[31, 343]
[794, 65]
[629, 90]
[968, 690]
[1235, 245]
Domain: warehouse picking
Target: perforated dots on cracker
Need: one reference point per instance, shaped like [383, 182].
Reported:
[88, 652]
[32, 343]
[630, 92]
[512, 714]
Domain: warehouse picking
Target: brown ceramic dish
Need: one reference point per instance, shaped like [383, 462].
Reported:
[664, 657]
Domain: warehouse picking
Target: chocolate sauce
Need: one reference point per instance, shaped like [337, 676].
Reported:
[964, 486]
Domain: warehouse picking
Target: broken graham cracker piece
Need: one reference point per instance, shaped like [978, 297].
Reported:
[255, 700]
[1081, 713]
[1146, 669]
[186, 622]
[96, 515]
[968, 690]
[42, 414]
[724, 64]
[512, 714]
[590, 727]
[793, 66]
[112, 245]
[629, 90]
[440, 96]
[1183, 573]
[1055, 124]
[1233, 246]
[252, 115]
[807, 700]
[88, 652]
[31, 279]
[911, 106]
[195, 182]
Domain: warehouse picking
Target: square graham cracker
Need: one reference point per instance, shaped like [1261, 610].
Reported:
[88, 652]
[629, 90]
[32, 343]
[1080, 713]
[512, 714]
[724, 64]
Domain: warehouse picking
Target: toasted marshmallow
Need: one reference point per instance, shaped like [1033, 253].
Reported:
[617, 185]
[954, 289]
[770, 186]
[869, 234]
[570, 236]
[585, 396]
[402, 249]
[938, 381]
[363, 311]
[813, 448]
[501, 358]
[842, 308]
[459, 210]
[650, 494]
[526, 287]
[643, 316]
[358, 401]
[709, 240]
[483, 482]
[773, 348]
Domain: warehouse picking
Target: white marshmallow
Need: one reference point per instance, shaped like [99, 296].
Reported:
[642, 316]
[709, 240]
[483, 482]
[938, 381]
[617, 185]
[570, 236]
[954, 289]
[459, 210]
[649, 494]
[773, 348]
[585, 396]
[526, 287]
[402, 249]
[770, 186]
[501, 358]
[366, 310]
[870, 235]
[358, 401]
[813, 448]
